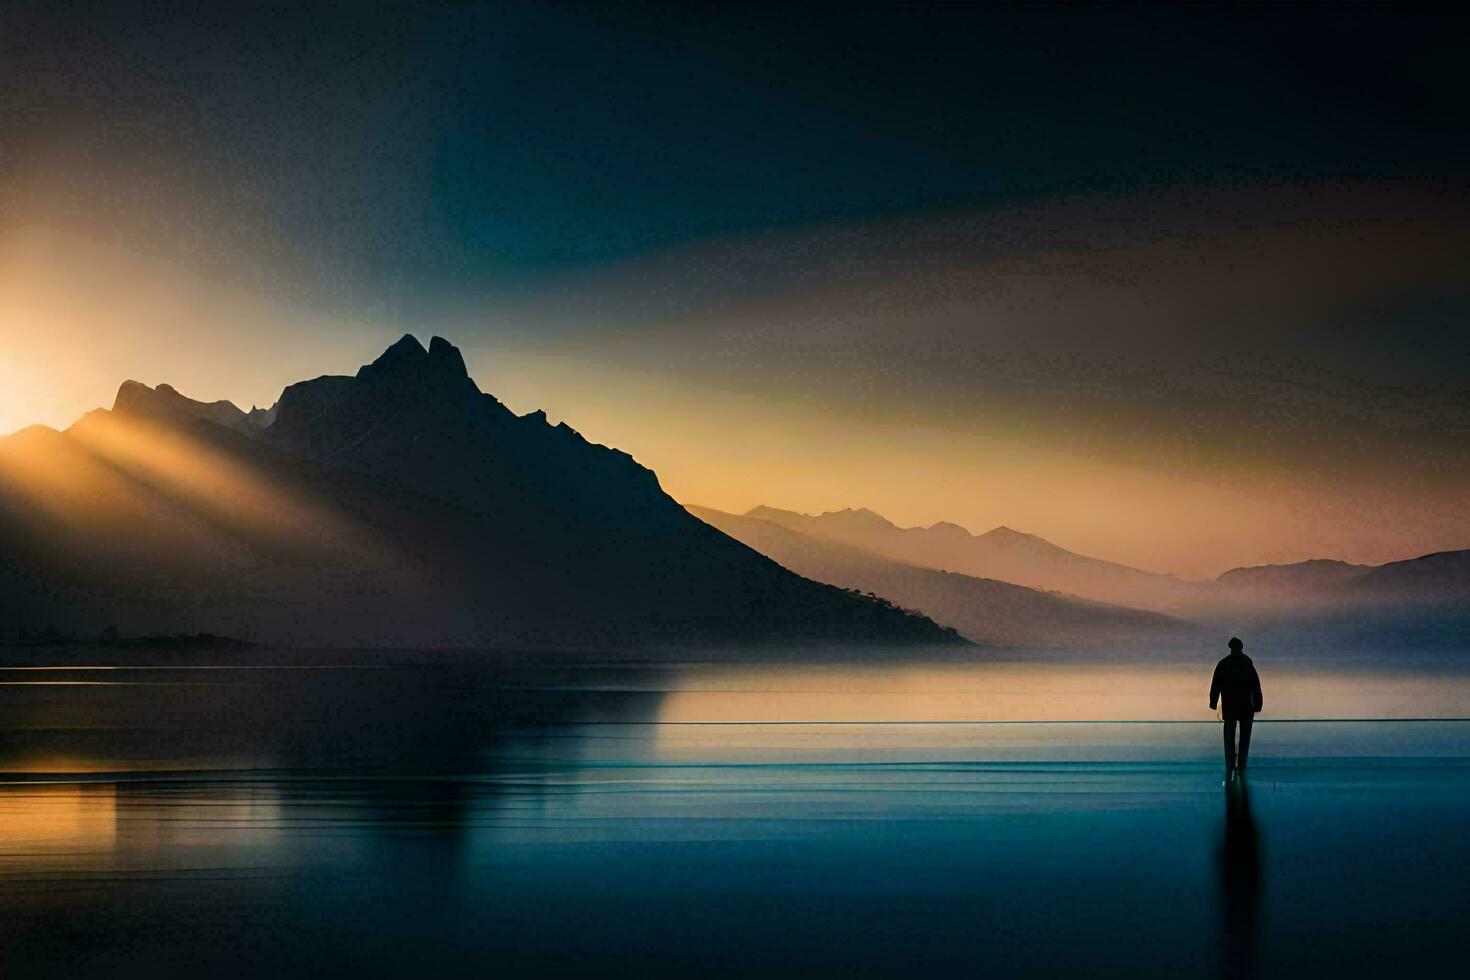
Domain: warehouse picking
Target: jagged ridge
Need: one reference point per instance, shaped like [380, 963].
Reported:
[398, 507]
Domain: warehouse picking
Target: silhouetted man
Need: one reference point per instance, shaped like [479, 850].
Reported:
[1238, 687]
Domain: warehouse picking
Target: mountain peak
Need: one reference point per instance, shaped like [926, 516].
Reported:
[1003, 533]
[130, 393]
[137, 400]
[949, 529]
[443, 352]
[860, 516]
[406, 346]
[404, 353]
[1010, 538]
[407, 365]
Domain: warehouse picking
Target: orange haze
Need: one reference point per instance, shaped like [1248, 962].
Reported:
[77, 318]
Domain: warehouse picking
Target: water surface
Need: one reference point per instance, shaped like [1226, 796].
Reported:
[833, 820]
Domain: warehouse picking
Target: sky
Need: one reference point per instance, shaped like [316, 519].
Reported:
[1178, 287]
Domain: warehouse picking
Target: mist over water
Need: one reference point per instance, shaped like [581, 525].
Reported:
[838, 819]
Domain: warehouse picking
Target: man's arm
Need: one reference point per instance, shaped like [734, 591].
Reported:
[1215, 688]
[1256, 699]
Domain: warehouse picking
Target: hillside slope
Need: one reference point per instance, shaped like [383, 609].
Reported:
[984, 610]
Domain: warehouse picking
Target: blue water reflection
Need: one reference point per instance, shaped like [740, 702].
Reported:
[458, 820]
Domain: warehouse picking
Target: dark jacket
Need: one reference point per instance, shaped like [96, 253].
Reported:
[1238, 684]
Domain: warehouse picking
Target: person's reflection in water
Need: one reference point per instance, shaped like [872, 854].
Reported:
[1240, 881]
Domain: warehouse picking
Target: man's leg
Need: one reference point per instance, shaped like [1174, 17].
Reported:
[1245, 740]
[1229, 727]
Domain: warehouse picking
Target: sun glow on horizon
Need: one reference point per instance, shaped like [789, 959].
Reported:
[78, 317]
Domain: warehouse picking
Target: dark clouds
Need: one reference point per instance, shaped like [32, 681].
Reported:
[1304, 328]
[405, 155]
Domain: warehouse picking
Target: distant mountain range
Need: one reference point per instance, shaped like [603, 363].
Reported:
[1003, 554]
[983, 609]
[1300, 579]
[1441, 578]
[1429, 594]
[399, 507]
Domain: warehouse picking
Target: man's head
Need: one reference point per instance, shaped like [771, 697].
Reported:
[1235, 645]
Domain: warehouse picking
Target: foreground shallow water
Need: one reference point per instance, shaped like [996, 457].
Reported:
[1006, 819]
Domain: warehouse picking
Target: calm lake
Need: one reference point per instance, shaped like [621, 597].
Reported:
[1007, 819]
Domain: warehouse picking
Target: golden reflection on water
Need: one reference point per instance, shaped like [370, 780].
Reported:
[1005, 692]
[51, 833]
[57, 818]
[22, 761]
[1009, 712]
